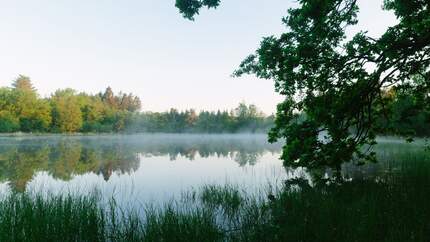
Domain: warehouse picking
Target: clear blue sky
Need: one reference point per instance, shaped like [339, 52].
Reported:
[146, 47]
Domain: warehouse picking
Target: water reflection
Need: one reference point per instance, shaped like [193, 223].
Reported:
[158, 164]
[65, 157]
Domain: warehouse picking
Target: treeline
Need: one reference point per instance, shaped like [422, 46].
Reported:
[244, 118]
[67, 111]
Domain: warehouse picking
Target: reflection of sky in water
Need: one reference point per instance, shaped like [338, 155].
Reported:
[138, 168]
[158, 178]
[150, 168]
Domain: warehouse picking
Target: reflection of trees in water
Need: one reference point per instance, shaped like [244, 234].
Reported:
[244, 158]
[244, 151]
[63, 157]
[20, 161]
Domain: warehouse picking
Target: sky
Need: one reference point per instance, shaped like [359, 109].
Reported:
[147, 48]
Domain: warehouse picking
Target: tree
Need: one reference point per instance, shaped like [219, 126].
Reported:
[109, 98]
[407, 111]
[129, 102]
[8, 122]
[66, 112]
[33, 113]
[92, 108]
[23, 83]
[37, 118]
[335, 81]
[189, 8]
[191, 118]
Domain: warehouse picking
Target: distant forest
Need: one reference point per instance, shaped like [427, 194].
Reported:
[67, 111]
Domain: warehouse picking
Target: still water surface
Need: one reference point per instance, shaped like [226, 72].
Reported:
[154, 168]
[137, 167]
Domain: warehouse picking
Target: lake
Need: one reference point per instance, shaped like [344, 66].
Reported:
[157, 167]
[137, 167]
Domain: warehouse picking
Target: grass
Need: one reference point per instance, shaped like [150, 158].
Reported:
[57, 218]
[390, 206]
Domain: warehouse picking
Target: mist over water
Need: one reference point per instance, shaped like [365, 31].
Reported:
[137, 169]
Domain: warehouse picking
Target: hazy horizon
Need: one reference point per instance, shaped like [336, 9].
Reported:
[147, 48]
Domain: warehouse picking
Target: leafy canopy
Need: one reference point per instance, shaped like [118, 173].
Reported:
[189, 8]
[336, 82]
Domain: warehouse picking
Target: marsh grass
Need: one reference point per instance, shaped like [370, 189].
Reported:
[24, 217]
[389, 206]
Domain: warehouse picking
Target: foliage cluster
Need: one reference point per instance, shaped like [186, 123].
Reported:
[404, 112]
[21, 109]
